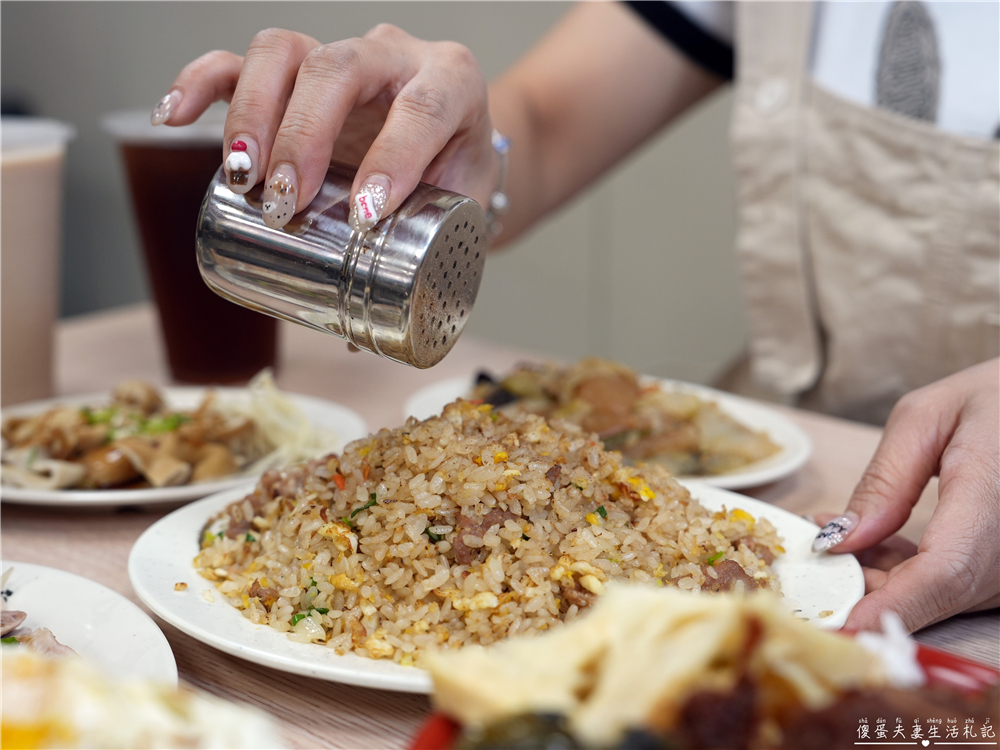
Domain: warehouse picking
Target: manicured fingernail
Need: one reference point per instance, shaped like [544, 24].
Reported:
[279, 197]
[835, 532]
[241, 164]
[370, 202]
[165, 107]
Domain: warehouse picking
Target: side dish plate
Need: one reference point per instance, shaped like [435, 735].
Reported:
[101, 625]
[341, 422]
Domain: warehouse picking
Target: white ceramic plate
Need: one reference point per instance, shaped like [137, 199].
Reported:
[101, 625]
[796, 446]
[823, 588]
[343, 423]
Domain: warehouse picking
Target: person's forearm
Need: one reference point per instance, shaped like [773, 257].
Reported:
[598, 85]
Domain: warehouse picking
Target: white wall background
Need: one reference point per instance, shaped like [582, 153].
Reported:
[660, 293]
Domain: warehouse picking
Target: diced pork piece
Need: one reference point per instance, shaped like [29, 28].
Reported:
[42, 641]
[10, 619]
[468, 526]
[728, 573]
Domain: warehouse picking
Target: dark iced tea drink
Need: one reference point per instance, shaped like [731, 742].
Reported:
[208, 339]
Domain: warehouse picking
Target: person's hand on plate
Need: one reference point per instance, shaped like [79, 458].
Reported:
[949, 429]
[400, 109]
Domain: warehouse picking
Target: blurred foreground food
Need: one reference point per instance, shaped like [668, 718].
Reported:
[661, 668]
[63, 702]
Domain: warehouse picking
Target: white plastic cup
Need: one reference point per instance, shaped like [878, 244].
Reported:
[32, 185]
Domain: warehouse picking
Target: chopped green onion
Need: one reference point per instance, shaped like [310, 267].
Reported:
[98, 416]
[525, 537]
[715, 558]
[296, 619]
[11, 639]
[166, 423]
[312, 582]
[367, 505]
[251, 537]
[602, 512]
[433, 537]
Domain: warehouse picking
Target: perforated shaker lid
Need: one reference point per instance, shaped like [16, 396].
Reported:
[423, 281]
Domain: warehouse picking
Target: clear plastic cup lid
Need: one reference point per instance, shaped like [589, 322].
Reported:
[33, 134]
[133, 126]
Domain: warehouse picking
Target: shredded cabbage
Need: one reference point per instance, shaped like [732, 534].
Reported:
[286, 436]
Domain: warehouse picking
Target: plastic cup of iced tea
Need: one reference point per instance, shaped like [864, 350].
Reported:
[168, 169]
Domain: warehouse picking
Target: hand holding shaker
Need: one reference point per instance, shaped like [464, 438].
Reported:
[403, 290]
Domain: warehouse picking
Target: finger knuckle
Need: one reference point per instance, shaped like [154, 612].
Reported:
[242, 111]
[299, 127]
[959, 578]
[273, 41]
[913, 405]
[212, 59]
[206, 67]
[338, 60]
[456, 55]
[880, 480]
[425, 102]
[973, 468]
[386, 32]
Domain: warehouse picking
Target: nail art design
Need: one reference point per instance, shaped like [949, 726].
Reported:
[165, 107]
[238, 164]
[834, 532]
[279, 197]
[369, 203]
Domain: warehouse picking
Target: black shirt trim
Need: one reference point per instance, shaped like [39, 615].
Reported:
[696, 43]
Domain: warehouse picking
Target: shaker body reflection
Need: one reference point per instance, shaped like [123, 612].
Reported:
[403, 290]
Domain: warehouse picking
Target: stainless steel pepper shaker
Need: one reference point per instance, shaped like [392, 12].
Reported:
[403, 290]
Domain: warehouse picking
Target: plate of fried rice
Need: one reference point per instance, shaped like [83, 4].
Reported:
[464, 528]
[695, 431]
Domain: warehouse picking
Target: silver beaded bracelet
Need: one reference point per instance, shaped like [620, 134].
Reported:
[498, 198]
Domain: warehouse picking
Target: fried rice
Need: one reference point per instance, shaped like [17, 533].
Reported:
[467, 527]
